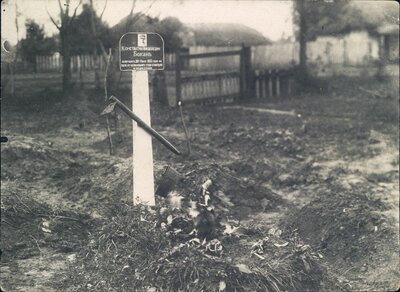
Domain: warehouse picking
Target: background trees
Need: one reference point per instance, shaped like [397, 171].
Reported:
[85, 33]
[64, 26]
[36, 43]
[170, 29]
[83, 39]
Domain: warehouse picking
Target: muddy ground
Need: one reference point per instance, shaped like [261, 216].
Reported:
[328, 174]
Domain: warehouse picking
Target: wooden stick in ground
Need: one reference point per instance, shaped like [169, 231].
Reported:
[184, 128]
[110, 143]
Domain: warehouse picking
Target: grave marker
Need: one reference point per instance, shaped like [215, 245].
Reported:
[140, 52]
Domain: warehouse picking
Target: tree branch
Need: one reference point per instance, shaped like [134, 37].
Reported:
[54, 22]
[67, 8]
[74, 15]
[133, 7]
[104, 9]
[52, 19]
[94, 31]
[61, 8]
[137, 15]
[149, 7]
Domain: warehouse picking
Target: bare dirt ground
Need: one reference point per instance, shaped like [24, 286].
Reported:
[328, 175]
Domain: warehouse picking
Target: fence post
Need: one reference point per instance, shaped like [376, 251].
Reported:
[264, 85]
[257, 84]
[246, 76]
[278, 84]
[178, 83]
[36, 64]
[160, 87]
[242, 74]
[270, 92]
[80, 68]
[249, 74]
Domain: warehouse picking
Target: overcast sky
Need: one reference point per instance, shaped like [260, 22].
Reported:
[272, 18]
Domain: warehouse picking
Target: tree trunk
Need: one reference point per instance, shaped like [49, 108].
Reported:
[303, 41]
[12, 78]
[66, 54]
[95, 51]
[35, 65]
[96, 69]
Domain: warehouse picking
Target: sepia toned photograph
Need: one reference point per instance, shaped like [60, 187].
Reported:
[187, 145]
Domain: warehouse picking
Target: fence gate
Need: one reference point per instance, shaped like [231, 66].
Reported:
[213, 86]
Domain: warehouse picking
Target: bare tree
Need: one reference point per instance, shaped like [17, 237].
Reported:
[132, 19]
[65, 27]
[301, 19]
[98, 43]
[302, 39]
[13, 65]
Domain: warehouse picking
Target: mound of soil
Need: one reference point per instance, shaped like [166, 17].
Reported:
[132, 251]
[349, 227]
[28, 226]
[244, 194]
[30, 158]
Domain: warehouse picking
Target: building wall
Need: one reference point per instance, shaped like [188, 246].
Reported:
[354, 49]
[393, 47]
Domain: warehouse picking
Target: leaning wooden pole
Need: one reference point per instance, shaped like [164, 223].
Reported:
[110, 143]
[185, 128]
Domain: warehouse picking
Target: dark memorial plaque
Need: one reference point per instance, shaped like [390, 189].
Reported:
[141, 51]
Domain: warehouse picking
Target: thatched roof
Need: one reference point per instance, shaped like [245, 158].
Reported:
[134, 22]
[225, 34]
[200, 34]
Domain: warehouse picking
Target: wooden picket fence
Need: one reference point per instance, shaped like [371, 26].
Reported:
[191, 85]
[273, 83]
[211, 88]
[84, 63]
[240, 83]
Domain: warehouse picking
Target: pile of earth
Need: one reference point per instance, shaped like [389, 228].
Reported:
[252, 140]
[27, 226]
[88, 180]
[350, 228]
[80, 177]
[141, 248]
[193, 240]
[29, 158]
